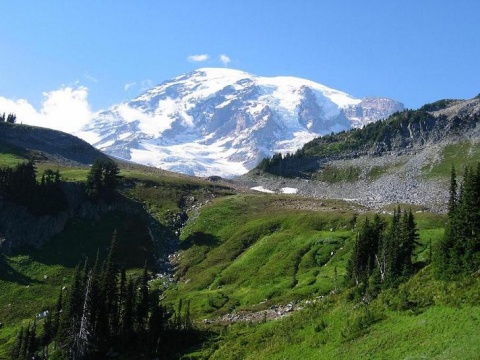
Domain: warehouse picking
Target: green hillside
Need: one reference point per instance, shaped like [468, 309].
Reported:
[244, 254]
[259, 275]
[446, 124]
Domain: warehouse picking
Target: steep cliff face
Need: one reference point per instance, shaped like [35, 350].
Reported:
[371, 109]
[223, 121]
[18, 227]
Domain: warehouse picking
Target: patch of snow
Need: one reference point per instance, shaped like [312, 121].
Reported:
[288, 190]
[262, 189]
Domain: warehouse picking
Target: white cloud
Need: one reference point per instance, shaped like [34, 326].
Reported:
[90, 77]
[65, 109]
[129, 85]
[224, 59]
[146, 84]
[198, 58]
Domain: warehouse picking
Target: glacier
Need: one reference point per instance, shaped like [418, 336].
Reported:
[220, 121]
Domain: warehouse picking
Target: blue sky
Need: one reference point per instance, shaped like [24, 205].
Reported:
[105, 52]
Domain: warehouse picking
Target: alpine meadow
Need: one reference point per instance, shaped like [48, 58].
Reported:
[240, 180]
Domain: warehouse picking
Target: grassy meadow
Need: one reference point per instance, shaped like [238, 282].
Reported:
[244, 252]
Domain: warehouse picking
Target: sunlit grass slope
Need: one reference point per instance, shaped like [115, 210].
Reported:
[250, 251]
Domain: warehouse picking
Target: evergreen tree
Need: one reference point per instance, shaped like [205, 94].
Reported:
[71, 312]
[366, 247]
[25, 344]
[102, 180]
[142, 307]
[56, 316]
[11, 118]
[19, 344]
[452, 201]
[47, 334]
[94, 184]
[82, 342]
[459, 251]
[127, 319]
[110, 288]
[31, 340]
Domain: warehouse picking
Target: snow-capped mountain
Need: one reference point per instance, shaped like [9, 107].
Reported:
[223, 121]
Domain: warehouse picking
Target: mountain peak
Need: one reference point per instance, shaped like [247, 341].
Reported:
[221, 121]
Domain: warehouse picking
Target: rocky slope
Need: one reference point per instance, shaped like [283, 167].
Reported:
[390, 161]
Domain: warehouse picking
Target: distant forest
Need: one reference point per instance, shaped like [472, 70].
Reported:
[402, 130]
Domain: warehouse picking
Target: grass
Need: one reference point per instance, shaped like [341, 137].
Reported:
[31, 279]
[334, 174]
[461, 155]
[246, 252]
[335, 328]
[11, 155]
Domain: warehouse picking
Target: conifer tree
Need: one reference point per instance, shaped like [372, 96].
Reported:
[143, 300]
[94, 185]
[459, 251]
[25, 344]
[128, 313]
[32, 340]
[110, 288]
[56, 317]
[452, 201]
[47, 334]
[71, 311]
[82, 342]
[19, 344]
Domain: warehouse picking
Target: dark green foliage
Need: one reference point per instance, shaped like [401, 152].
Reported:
[382, 255]
[459, 251]
[26, 343]
[289, 165]
[362, 262]
[19, 185]
[11, 118]
[106, 312]
[397, 248]
[102, 180]
[437, 105]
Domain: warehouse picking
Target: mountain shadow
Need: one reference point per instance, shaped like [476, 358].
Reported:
[9, 274]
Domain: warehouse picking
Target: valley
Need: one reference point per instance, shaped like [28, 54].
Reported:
[260, 275]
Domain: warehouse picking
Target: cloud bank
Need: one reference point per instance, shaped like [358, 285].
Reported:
[65, 109]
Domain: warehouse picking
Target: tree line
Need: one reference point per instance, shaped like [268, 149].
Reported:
[289, 165]
[104, 312]
[394, 133]
[10, 118]
[20, 186]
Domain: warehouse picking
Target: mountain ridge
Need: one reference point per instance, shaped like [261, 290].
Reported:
[223, 122]
[403, 132]
[404, 159]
